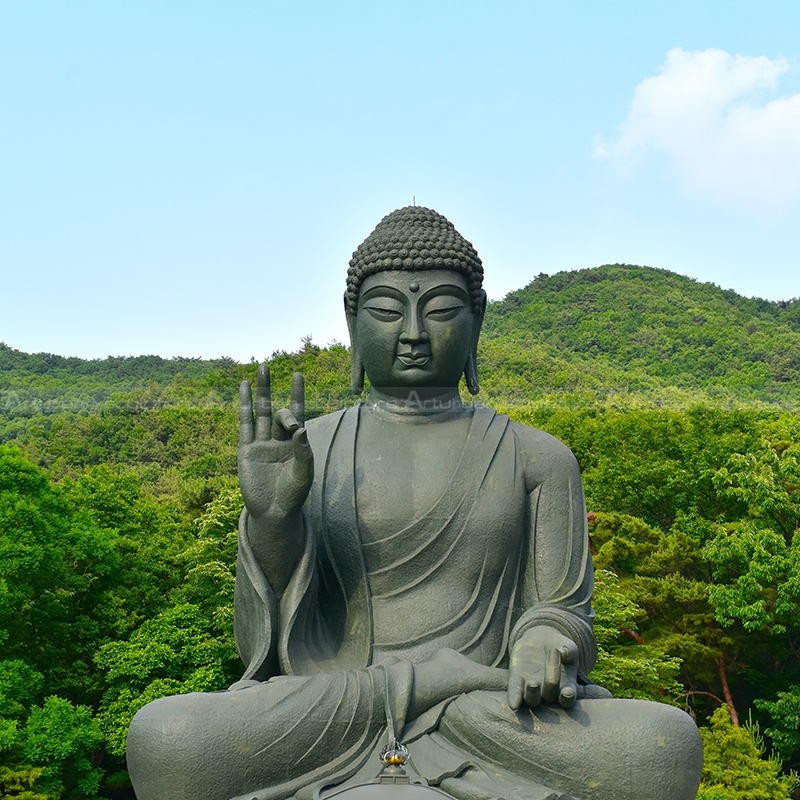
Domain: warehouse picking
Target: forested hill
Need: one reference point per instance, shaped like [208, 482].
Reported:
[44, 382]
[622, 329]
[681, 401]
[616, 333]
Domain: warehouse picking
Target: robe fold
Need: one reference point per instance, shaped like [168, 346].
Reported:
[330, 666]
[488, 561]
[464, 576]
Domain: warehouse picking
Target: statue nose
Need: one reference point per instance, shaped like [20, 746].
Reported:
[414, 329]
[414, 334]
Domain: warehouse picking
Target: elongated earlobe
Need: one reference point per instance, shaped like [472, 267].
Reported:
[471, 368]
[356, 371]
[471, 373]
[356, 367]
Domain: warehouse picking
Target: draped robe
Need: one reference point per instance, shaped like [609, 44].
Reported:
[467, 575]
[330, 666]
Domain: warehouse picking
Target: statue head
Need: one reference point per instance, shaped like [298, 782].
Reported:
[414, 288]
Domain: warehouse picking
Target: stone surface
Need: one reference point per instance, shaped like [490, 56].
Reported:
[412, 567]
[372, 791]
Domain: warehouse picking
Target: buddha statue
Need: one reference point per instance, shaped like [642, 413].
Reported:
[413, 570]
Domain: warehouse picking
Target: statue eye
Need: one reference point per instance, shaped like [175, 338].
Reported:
[445, 312]
[383, 313]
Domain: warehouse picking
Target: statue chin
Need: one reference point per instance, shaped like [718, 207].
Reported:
[415, 620]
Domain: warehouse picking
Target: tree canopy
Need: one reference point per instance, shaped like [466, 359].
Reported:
[118, 509]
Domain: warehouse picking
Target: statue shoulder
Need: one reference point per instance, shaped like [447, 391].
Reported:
[544, 456]
[324, 422]
[536, 441]
[322, 429]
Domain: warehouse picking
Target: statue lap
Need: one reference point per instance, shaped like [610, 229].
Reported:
[601, 749]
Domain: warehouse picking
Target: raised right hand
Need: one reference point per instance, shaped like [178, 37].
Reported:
[276, 465]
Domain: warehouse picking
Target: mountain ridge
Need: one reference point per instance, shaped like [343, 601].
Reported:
[646, 328]
[617, 330]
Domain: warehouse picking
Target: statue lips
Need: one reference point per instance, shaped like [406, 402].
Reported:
[414, 358]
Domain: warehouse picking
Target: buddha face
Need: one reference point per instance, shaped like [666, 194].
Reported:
[415, 330]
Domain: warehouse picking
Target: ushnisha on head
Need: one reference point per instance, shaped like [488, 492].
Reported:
[415, 239]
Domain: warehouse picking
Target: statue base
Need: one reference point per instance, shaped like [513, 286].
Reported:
[391, 784]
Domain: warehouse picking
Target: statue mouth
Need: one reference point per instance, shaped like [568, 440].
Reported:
[414, 359]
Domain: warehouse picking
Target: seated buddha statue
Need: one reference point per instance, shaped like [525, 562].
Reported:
[414, 569]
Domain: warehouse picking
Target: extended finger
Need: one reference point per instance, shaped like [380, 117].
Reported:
[533, 694]
[297, 398]
[567, 695]
[284, 425]
[263, 404]
[552, 675]
[245, 413]
[516, 688]
[568, 688]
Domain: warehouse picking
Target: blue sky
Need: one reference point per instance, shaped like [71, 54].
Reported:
[191, 178]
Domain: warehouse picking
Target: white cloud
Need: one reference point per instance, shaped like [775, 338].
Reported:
[705, 110]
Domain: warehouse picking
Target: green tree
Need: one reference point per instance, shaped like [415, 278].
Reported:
[179, 651]
[62, 740]
[734, 766]
[55, 565]
[784, 731]
[149, 538]
[757, 557]
[20, 783]
[626, 666]
[210, 560]
[188, 646]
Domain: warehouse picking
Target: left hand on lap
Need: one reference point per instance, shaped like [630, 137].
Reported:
[544, 666]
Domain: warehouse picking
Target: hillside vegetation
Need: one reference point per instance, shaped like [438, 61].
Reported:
[628, 331]
[616, 333]
[119, 502]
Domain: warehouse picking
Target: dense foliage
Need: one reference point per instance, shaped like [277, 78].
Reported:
[625, 330]
[118, 508]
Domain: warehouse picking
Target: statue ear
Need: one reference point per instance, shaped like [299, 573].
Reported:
[356, 367]
[471, 368]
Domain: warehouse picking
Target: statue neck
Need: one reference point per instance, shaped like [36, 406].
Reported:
[421, 405]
